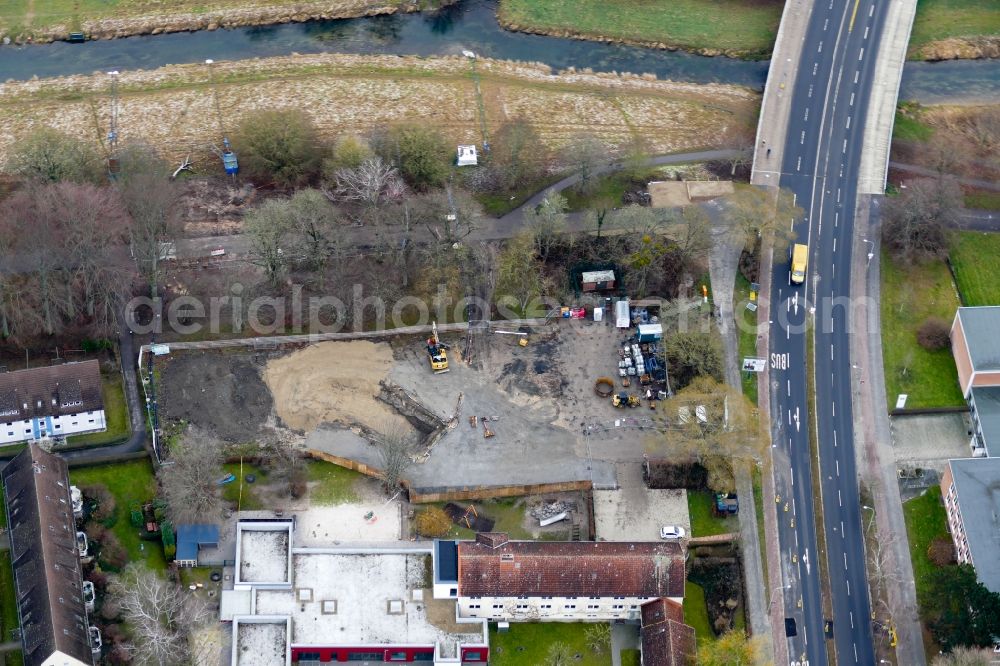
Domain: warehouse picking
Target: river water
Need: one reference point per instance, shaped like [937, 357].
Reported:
[469, 25]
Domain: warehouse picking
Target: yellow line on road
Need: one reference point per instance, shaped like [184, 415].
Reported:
[854, 15]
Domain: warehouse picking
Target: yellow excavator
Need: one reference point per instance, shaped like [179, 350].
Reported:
[437, 351]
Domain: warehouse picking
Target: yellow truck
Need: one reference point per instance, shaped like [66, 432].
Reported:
[799, 263]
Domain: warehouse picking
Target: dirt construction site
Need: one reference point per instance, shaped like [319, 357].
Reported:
[506, 415]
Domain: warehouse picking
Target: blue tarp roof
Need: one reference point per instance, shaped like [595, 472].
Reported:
[191, 536]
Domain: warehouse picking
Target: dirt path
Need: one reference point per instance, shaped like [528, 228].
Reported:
[723, 260]
[29, 14]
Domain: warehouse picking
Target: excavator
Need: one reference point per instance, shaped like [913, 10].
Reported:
[437, 351]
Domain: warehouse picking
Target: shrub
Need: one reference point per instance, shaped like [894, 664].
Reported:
[48, 155]
[934, 334]
[941, 552]
[104, 503]
[664, 475]
[99, 579]
[598, 637]
[279, 146]
[419, 151]
[113, 555]
[432, 522]
[135, 514]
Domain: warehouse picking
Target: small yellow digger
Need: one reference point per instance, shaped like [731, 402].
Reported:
[437, 352]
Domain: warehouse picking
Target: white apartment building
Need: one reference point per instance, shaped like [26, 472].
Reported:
[51, 403]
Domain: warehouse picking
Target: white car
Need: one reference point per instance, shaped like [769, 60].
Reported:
[672, 532]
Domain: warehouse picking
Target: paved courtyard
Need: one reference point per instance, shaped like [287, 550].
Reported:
[635, 512]
[929, 440]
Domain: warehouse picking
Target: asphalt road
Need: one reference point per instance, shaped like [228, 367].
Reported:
[821, 158]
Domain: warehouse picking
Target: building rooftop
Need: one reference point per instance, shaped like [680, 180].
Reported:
[977, 483]
[70, 388]
[492, 566]
[191, 536]
[666, 640]
[980, 325]
[987, 401]
[360, 599]
[43, 551]
[263, 552]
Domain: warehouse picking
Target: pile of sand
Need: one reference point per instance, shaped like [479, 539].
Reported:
[333, 382]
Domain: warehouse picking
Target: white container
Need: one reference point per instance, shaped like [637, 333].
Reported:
[598, 314]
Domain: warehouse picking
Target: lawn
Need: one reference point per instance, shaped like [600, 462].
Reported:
[738, 28]
[975, 256]
[526, 644]
[115, 411]
[239, 493]
[941, 19]
[983, 200]
[908, 128]
[332, 484]
[631, 657]
[926, 520]
[128, 482]
[746, 333]
[696, 613]
[703, 521]
[911, 294]
[607, 191]
[8, 601]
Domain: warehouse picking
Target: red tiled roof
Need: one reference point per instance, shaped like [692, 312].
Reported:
[571, 569]
[666, 640]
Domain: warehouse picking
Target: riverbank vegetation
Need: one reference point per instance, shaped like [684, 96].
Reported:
[172, 108]
[946, 29]
[28, 20]
[730, 27]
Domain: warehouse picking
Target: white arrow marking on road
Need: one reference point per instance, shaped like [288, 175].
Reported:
[796, 302]
[797, 419]
[805, 558]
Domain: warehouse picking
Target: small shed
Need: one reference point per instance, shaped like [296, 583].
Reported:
[192, 537]
[650, 332]
[467, 156]
[622, 317]
[597, 280]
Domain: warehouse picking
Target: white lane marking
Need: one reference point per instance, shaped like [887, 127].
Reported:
[833, 405]
[798, 165]
[856, 76]
[788, 333]
[826, 24]
[855, 653]
[815, 68]
[820, 49]
[848, 122]
[788, 384]
[862, 54]
[840, 500]
[838, 191]
[802, 137]
[834, 243]
[838, 472]
[844, 149]
[871, 10]
[834, 267]
[866, 33]
[793, 506]
[836, 216]
[852, 99]
[848, 588]
[810, 91]
[845, 561]
[852, 612]
[806, 117]
[792, 475]
[796, 538]
[835, 438]
[841, 529]
[831, 352]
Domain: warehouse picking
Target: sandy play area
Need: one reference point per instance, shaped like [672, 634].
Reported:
[333, 382]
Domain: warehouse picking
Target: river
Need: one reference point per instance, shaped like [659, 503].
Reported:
[470, 25]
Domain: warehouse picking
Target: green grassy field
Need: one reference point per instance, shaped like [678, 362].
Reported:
[739, 28]
[333, 484]
[926, 520]
[509, 517]
[908, 128]
[975, 257]
[703, 522]
[115, 411]
[941, 19]
[128, 482]
[746, 334]
[696, 613]
[911, 294]
[8, 600]
[526, 644]
[983, 200]
[239, 492]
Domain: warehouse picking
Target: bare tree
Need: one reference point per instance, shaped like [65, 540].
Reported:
[395, 454]
[966, 656]
[760, 212]
[517, 156]
[451, 215]
[547, 224]
[917, 220]
[372, 183]
[268, 228]
[694, 235]
[520, 275]
[715, 425]
[739, 138]
[189, 480]
[161, 617]
[312, 228]
[48, 155]
[583, 154]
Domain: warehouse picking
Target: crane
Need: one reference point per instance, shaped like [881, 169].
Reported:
[229, 161]
[114, 163]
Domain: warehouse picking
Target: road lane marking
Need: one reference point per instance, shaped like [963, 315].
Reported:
[834, 276]
[834, 249]
[806, 116]
[866, 33]
[820, 49]
[788, 384]
[841, 529]
[815, 68]
[856, 76]
[871, 10]
[852, 99]
[854, 15]
[848, 122]
[810, 93]
[798, 164]
[844, 150]
[840, 501]
[848, 588]
[836, 216]
[826, 24]
[835, 438]
[845, 565]
[861, 55]
[833, 405]
[838, 472]
[831, 352]
[855, 653]
[838, 189]
[852, 612]
[802, 137]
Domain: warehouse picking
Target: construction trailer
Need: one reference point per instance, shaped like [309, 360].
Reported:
[650, 332]
[623, 318]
